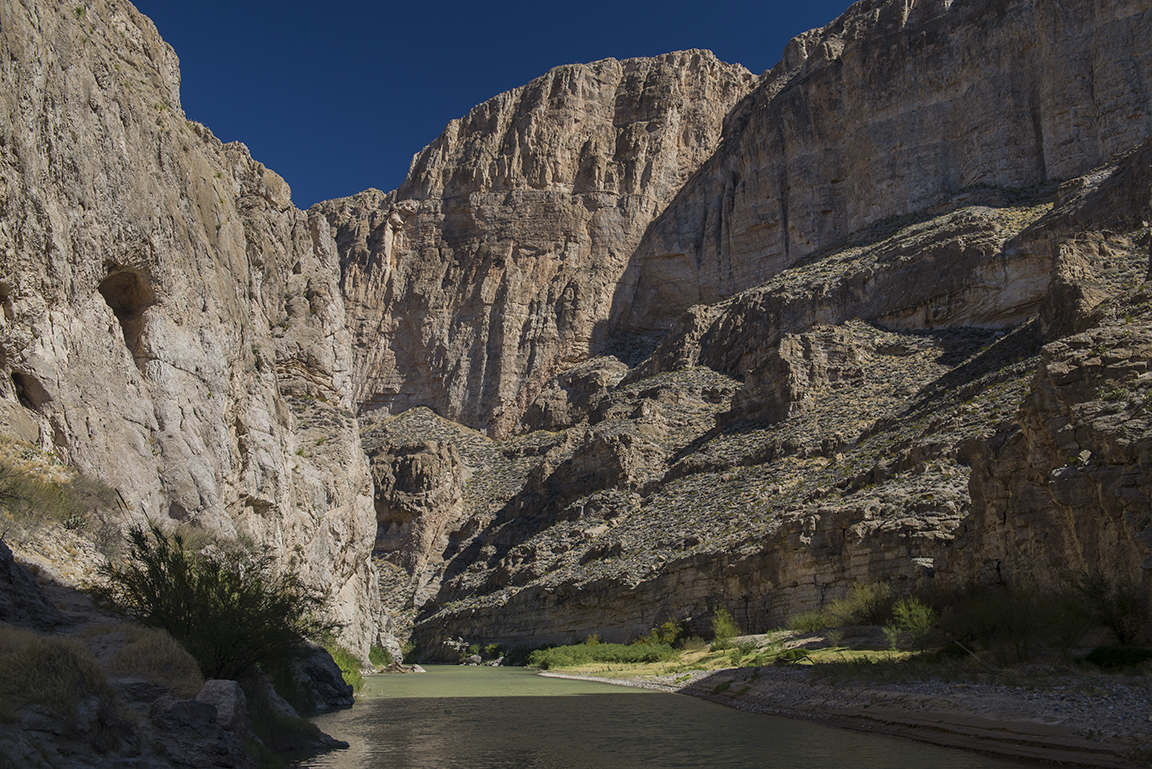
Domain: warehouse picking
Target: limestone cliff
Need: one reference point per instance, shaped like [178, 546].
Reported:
[171, 324]
[891, 108]
[486, 272]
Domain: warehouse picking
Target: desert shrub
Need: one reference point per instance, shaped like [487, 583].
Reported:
[1012, 621]
[915, 619]
[230, 609]
[1118, 605]
[350, 665]
[668, 633]
[810, 621]
[693, 643]
[154, 655]
[606, 653]
[380, 657]
[869, 604]
[724, 628]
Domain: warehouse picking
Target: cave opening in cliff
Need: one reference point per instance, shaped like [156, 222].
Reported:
[29, 391]
[128, 294]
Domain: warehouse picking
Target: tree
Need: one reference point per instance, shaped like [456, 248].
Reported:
[724, 628]
[230, 608]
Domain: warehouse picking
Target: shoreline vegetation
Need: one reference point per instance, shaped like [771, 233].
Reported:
[1053, 676]
[1056, 713]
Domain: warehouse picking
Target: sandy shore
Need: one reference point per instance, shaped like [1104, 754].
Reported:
[1067, 721]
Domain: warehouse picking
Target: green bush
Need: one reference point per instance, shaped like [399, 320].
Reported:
[810, 621]
[350, 665]
[914, 618]
[380, 657]
[605, 653]
[230, 609]
[724, 628]
[864, 605]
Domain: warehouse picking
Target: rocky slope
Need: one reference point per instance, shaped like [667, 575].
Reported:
[810, 370]
[842, 456]
[172, 325]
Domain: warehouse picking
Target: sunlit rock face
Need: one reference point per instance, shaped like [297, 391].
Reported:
[487, 271]
[172, 324]
[891, 108]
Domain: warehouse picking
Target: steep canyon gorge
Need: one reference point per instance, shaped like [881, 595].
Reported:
[636, 340]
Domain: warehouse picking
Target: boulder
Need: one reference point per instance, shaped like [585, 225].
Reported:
[230, 703]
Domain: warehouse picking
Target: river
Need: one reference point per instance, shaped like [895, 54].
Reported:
[509, 718]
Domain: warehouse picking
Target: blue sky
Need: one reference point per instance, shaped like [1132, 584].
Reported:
[336, 97]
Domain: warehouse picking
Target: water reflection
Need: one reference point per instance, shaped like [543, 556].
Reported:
[470, 718]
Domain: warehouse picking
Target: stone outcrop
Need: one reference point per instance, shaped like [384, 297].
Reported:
[418, 505]
[171, 324]
[486, 272]
[1067, 488]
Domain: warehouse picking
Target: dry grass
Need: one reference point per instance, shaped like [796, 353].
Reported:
[155, 656]
[53, 672]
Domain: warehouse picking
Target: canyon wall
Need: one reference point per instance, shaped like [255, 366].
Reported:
[172, 324]
[809, 345]
[886, 111]
[486, 272]
[636, 340]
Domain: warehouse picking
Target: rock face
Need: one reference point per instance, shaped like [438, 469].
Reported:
[807, 348]
[418, 504]
[171, 324]
[887, 110]
[486, 272]
[845, 454]
[1066, 488]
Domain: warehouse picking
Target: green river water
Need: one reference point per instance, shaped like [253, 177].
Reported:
[509, 718]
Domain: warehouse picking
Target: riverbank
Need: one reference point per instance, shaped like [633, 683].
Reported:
[1068, 720]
